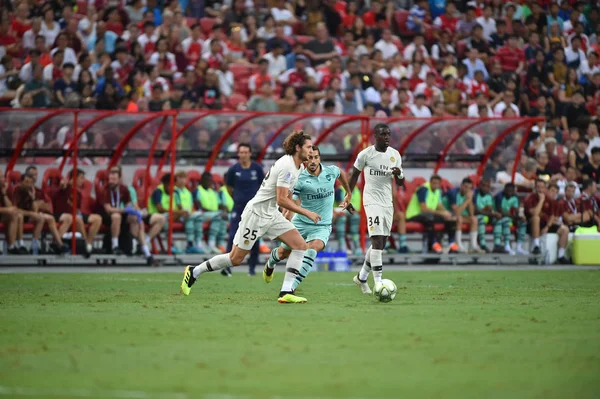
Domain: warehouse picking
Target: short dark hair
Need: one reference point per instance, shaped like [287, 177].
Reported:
[380, 127]
[553, 185]
[166, 179]
[315, 148]
[30, 168]
[539, 180]
[509, 185]
[26, 175]
[79, 172]
[68, 65]
[435, 177]
[586, 183]
[466, 180]
[247, 145]
[115, 169]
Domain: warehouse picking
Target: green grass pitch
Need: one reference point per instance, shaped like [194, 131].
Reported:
[448, 334]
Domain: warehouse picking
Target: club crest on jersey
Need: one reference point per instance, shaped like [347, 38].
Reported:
[246, 242]
[392, 159]
[328, 177]
[288, 177]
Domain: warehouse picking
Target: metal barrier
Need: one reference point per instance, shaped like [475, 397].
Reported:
[203, 137]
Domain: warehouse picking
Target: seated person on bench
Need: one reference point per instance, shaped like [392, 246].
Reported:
[426, 207]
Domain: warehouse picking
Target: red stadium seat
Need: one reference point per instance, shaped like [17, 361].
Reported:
[218, 180]
[303, 39]
[82, 7]
[100, 181]
[236, 99]
[191, 21]
[241, 71]
[206, 25]
[400, 18]
[194, 178]
[51, 179]
[13, 178]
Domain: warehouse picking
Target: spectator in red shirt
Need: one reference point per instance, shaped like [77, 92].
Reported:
[511, 56]
[370, 17]
[262, 76]
[447, 22]
[63, 207]
[8, 40]
[21, 23]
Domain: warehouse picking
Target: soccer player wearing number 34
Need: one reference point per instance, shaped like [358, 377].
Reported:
[261, 218]
[381, 165]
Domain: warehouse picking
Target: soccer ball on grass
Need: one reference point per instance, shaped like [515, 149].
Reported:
[385, 291]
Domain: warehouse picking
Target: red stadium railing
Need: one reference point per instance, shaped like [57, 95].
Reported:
[340, 137]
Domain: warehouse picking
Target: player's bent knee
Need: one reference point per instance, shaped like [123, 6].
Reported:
[115, 217]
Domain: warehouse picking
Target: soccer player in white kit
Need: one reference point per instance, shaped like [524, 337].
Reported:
[261, 218]
[381, 165]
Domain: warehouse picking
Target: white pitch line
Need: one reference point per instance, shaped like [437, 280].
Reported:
[123, 394]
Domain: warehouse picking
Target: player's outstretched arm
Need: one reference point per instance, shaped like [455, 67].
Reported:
[344, 182]
[353, 179]
[284, 201]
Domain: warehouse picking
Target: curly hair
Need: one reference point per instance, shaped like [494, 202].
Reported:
[298, 137]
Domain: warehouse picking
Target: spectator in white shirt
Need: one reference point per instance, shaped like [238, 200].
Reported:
[508, 99]
[416, 45]
[283, 16]
[277, 62]
[51, 70]
[480, 101]
[61, 44]
[487, 22]
[575, 57]
[50, 28]
[385, 45]
[30, 35]
[443, 47]
[419, 109]
[267, 31]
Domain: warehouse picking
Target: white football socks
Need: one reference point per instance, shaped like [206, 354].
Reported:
[294, 264]
[377, 264]
[363, 275]
[212, 265]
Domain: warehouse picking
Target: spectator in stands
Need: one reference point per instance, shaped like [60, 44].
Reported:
[578, 157]
[276, 61]
[507, 214]
[419, 109]
[263, 100]
[214, 210]
[416, 18]
[459, 201]
[321, 48]
[119, 212]
[33, 208]
[592, 168]
[242, 181]
[62, 199]
[9, 216]
[426, 207]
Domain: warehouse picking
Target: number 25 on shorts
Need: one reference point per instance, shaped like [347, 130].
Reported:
[251, 234]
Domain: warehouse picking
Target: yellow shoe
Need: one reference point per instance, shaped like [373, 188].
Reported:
[290, 298]
[188, 280]
[266, 276]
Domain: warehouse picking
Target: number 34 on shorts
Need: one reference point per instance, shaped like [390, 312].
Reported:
[379, 219]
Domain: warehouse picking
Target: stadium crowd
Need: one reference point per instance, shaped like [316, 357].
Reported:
[398, 58]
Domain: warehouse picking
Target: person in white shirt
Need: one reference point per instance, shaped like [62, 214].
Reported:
[382, 165]
[385, 45]
[508, 98]
[49, 70]
[31, 34]
[419, 109]
[69, 53]
[443, 47]
[416, 45]
[569, 179]
[50, 28]
[277, 62]
[283, 16]
[574, 55]
[261, 218]
[487, 22]
[480, 100]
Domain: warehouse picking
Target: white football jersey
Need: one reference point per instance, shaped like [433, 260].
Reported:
[378, 174]
[282, 174]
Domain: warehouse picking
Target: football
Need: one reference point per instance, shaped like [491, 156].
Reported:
[385, 291]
